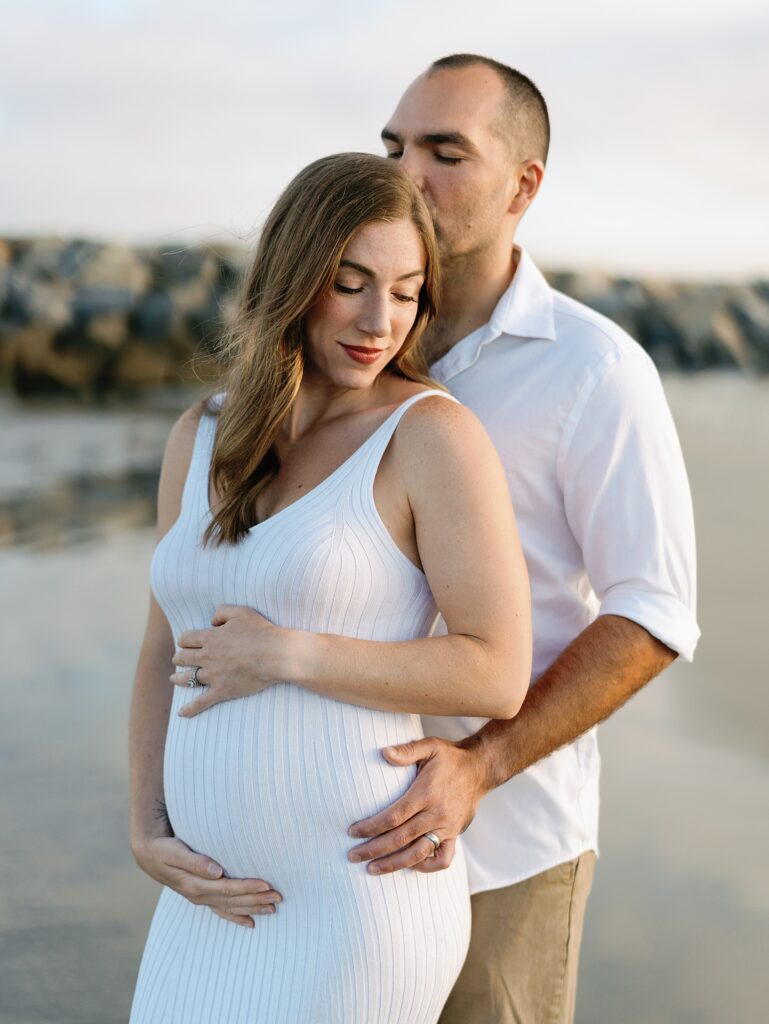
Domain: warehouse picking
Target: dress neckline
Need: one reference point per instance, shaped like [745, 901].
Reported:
[319, 487]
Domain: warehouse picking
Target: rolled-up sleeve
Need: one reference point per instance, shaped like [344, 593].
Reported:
[628, 501]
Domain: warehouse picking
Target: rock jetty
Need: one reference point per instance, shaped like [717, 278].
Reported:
[94, 320]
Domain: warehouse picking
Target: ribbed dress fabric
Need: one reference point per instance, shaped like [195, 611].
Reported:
[268, 784]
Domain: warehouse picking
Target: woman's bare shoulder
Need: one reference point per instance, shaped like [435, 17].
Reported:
[436, 416]
[439, 438]
[181, 438]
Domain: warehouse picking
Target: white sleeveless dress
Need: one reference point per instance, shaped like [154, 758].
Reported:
[268, 784]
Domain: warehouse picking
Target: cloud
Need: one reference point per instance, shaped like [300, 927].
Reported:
[142, 120]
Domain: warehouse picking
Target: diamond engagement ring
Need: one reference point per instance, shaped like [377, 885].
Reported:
[434, 840]
[193, 680]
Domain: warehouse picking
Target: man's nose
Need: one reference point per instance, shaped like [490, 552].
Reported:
[375, 317]
[413, 164]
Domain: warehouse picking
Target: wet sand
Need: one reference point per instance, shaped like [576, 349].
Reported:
[678, 923]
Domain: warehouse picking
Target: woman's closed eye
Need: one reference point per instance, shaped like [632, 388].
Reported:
[346, 289]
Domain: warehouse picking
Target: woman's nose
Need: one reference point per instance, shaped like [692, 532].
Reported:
[375, 318]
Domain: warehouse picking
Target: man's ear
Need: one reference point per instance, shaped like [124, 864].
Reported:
[528, 177]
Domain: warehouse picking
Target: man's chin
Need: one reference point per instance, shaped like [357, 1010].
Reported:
[447, 247]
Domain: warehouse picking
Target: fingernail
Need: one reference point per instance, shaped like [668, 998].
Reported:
[266, 910]
[387, 750]
[214, 870]
[353, 832]
[355, 857]
[374, 869]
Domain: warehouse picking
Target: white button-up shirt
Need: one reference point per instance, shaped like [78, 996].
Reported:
[577, 413]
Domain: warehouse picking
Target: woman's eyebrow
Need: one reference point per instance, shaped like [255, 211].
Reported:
[370, 273]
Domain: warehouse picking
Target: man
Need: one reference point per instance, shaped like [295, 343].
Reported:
[578, 415]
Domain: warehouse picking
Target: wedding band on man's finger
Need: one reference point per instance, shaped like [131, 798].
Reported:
[434, 840]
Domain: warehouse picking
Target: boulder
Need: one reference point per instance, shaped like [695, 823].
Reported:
[140, 365]
[750, 308]
[96, 300]
[108, 329]
[151, 317]
[677, 323]
[114, 267]
[40, 364]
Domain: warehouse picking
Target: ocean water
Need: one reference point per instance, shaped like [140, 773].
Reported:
[678, 923]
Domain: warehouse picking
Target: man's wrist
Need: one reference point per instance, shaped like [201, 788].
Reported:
[477, 758]
[486, 758]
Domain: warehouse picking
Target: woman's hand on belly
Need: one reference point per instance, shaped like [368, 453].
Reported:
[243, 653]
[201, 880]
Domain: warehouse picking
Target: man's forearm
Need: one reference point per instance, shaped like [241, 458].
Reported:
[604, 666]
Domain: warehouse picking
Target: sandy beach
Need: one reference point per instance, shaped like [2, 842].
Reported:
[678, 924]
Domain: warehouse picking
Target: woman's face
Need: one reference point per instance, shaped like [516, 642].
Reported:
[353, 332]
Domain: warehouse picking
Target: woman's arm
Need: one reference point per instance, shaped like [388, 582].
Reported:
[151, 697]
[468, 545]
[471, 555]
[155, 848]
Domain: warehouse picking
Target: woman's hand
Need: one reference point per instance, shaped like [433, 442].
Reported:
[243, 653]
[201, 880]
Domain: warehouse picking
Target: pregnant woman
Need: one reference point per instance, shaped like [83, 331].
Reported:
[335, 499]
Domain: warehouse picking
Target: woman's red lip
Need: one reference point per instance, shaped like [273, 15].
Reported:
[361, 354]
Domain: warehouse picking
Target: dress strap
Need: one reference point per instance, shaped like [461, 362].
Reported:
[195, 494]
[380, 439]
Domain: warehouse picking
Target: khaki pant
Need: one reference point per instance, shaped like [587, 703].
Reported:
[522, 964]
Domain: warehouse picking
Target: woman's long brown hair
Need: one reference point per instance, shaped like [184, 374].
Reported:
[296, 263]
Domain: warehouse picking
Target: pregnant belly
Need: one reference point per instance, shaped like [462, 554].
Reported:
[266, 783]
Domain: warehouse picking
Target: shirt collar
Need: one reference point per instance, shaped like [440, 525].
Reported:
[524, 312]
[525, 309]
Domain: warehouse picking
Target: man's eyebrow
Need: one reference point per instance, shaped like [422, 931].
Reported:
[370, 273]
[433, 139]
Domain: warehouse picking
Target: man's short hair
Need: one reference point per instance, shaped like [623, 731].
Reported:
[524, 122]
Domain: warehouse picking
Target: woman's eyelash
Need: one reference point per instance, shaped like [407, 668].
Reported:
[355, 291]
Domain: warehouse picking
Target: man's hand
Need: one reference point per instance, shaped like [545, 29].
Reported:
[442, 799]
[201, 880]
[242, 653]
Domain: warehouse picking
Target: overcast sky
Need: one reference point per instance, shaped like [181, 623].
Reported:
[173, 119]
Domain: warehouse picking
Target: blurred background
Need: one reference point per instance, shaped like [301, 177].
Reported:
[142, 145]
